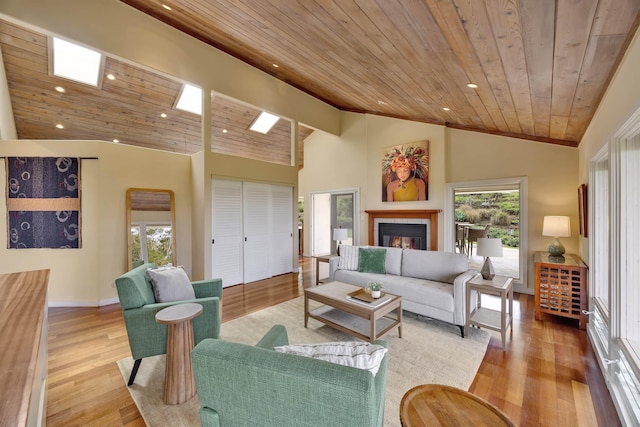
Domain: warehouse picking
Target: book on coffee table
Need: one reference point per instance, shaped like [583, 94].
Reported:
[362, 296]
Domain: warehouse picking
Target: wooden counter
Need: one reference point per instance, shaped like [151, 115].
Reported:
[23, 337]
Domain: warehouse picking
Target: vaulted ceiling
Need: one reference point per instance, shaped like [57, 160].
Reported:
[541, 67]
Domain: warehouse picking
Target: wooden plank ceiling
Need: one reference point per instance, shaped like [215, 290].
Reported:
[541, 67]
[126, 108]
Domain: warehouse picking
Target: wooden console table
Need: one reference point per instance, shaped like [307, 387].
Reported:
[23, 360]
[561, 287]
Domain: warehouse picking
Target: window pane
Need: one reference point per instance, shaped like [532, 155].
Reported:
[600, 218]
[159, 244]
[630, 238]
[500, 211]
[136, 254]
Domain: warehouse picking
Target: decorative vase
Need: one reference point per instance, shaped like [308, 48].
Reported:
[375, 294]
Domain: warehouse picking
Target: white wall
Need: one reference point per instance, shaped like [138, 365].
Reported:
[354, 160]
[86, 276]
[551, 172]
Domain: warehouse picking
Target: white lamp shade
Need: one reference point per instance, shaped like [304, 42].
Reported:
[556, 226]
[489, 247]
[340, 234]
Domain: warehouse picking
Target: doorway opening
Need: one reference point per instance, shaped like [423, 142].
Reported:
[494, 209]
[333, 210]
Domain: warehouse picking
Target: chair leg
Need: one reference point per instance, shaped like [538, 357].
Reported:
[461, 330]
[134, 371]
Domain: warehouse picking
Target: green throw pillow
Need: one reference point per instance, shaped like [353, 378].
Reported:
[371, 260]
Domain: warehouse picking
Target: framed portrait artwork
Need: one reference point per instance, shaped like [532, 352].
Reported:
[405, 172]
[582, 210]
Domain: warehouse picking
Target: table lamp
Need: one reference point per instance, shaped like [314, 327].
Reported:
[556, 226]
[489, 248]
[339, 234]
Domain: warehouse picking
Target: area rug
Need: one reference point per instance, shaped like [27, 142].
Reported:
[429, 351]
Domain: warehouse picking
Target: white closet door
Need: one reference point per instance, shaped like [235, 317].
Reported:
[281, 253]
[257, 233]
[226, 229]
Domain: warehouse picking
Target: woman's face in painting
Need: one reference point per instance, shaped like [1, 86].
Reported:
[403, 173]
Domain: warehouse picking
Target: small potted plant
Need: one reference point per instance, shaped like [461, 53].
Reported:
[375, 288]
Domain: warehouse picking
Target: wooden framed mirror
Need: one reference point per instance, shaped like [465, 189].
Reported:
[151, 226]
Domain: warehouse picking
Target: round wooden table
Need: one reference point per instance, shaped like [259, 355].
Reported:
[440, 405]
[179, 384]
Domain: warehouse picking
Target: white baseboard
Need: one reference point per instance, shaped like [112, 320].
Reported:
[101, 303]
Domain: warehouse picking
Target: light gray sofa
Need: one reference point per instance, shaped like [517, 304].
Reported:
[431, 283]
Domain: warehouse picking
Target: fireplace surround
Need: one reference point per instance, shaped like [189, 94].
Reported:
[428, 217]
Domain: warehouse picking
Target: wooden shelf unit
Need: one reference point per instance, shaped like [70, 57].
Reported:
[561, 287]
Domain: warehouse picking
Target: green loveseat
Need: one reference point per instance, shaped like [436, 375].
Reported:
[240, 385]
[146, 336]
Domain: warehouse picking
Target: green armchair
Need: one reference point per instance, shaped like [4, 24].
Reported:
[240, 385]
[146, 336]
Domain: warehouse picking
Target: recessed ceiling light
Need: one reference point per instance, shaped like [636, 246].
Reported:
[75, 62]
[382, 103]
[60, 126]
[116, 140]
[276, 65]
[163, 115]
[166, 7]
[111, 76]
[60, 89]
[446, 108]
[190, 99]
[264, 122]
[224, 131]
[472, 85]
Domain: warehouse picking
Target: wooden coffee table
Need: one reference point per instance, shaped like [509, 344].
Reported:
[359, 319]
[179, 384]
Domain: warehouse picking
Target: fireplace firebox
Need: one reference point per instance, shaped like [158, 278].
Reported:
[406, 236]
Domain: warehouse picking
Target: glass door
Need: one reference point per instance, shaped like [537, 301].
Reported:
[332, 210]
[494, 209]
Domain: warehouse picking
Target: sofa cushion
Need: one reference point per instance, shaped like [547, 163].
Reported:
[371, 260]
[349, 353]
[433, 265]
[425, 292]
[348, 257]
[171, 284]
[393, 261]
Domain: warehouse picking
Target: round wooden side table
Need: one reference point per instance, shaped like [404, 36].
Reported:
[440, 405]
[179, 384]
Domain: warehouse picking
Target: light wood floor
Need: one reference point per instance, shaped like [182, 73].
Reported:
[548, 375]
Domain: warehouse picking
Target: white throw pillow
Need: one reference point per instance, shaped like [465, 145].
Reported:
[348, 257]
[351, 353]
[171, 284]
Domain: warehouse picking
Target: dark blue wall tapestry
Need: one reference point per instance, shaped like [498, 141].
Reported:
[43, 202]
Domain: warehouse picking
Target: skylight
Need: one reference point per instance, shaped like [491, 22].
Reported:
[190, 99]
[264, 122]
[74, 62]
